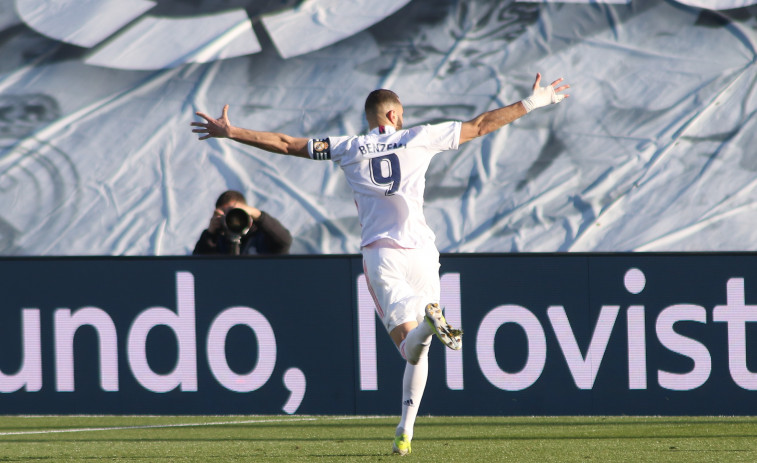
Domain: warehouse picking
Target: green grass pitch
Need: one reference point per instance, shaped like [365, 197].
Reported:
[218, 439]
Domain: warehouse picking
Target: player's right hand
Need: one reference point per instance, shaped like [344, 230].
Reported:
[216, 128]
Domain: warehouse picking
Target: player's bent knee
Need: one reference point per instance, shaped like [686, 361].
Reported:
[414, 353]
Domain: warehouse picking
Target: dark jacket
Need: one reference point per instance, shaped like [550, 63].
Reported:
[266, 236]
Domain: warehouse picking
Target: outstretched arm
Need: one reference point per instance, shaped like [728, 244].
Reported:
[269, 141]
[492, 120]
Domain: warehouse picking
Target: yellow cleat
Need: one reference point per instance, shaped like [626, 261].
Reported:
[451, 337]
[401, 445]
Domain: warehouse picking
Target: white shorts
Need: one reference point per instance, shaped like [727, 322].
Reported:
[402, 281]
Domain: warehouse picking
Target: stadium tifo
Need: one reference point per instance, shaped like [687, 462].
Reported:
[583, 368]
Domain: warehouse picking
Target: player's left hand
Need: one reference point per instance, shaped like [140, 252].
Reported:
[543, 96]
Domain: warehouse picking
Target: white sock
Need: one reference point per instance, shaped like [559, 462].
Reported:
[415, 345]
[413, 385]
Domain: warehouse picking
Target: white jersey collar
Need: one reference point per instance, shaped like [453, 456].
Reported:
[383, 130]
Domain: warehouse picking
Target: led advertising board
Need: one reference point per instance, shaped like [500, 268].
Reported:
[545, 334]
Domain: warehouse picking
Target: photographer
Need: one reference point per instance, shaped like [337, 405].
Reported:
[237, 228]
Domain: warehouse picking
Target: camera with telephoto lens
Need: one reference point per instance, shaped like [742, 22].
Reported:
[237, 222]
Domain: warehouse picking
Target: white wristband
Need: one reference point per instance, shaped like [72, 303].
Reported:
[528, 104]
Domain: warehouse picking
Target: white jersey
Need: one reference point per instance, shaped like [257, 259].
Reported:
[387, 172]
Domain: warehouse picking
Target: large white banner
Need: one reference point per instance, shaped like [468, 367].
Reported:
[653, 151]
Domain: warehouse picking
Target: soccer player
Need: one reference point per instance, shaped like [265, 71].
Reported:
[386, 170]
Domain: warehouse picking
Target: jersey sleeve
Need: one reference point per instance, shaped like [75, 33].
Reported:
[444, 136]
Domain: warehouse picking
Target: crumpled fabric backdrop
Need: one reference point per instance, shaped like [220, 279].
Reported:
[656, 150]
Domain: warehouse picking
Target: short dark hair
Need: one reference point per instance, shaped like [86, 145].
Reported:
[230, 196]
[380, 97]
